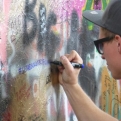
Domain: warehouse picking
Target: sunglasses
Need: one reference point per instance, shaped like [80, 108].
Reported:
[99, 43]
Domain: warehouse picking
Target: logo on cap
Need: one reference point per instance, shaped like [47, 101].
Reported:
[94, 12]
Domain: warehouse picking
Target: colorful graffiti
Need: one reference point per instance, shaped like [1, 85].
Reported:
[33, 32]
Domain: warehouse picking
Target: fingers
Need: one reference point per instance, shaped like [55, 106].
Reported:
[61, 68]
[74, 57]
[67, 73]
[66, 63]
[66, 59]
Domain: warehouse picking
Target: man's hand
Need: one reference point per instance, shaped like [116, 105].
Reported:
[68, 74]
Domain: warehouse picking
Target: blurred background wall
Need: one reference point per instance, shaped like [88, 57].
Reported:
[34, 32]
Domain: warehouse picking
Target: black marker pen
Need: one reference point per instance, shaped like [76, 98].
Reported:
[75, 65]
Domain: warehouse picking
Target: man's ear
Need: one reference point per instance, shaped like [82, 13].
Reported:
[118, 41]
[119, 47]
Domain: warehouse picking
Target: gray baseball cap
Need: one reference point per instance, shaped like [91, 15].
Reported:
[109, 19]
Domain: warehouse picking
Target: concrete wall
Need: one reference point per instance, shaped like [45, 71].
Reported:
[33, 32]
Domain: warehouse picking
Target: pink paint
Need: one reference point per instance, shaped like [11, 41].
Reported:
[98, 6]
[3, 29]
[7, 115]
[64, 8]
[78, 5]
[24, 92]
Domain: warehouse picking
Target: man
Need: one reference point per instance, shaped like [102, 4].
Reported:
[109, 46]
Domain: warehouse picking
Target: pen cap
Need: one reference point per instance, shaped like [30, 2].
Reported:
[77, 65]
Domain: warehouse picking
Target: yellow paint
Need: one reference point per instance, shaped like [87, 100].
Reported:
[109, 93]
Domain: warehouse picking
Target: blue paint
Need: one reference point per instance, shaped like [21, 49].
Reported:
[32, 65]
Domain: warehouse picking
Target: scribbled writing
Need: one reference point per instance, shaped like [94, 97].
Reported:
[32, 65]
[35, 117]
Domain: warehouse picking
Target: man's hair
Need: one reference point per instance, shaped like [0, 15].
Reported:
[107, 33]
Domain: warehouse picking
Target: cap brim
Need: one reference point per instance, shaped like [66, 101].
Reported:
[95, 16]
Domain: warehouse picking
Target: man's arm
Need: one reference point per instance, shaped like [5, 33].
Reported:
[83, 106]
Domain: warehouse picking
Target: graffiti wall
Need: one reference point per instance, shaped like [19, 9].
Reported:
[34, 32]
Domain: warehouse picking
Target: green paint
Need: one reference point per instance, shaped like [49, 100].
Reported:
[107, 100]
[104, 4]
[90, 25]
[113, 96]
[89, 6]
[119, 114]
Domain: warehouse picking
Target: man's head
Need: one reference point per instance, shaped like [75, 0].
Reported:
[109, 43]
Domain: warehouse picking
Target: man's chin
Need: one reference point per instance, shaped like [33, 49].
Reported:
[117, 77]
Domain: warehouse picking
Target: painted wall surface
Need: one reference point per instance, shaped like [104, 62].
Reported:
[33, 32]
